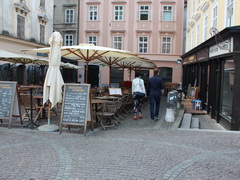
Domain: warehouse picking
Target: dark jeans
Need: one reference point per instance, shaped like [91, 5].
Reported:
[154, 105]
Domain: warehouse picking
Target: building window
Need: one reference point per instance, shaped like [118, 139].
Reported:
[166, 74]
[144, 74]
[92, 40]
[142, 44]
[21, 27]
[193, 7]
[198, 2]
[69, 16]
[215, 15]
[193, 39]
[42, 3]
[144, 12]
[68, 39]
[166, 45]
[188, 42]
[205, 28]
[197, 34]
[117, 42]
[93, 13]
[116, 75]
[42, 34]
[167, 13]
[227, 91]
[229, 13]
[118, 13]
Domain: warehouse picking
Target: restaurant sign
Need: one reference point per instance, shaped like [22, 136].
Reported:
[221, 48]
[189, 59]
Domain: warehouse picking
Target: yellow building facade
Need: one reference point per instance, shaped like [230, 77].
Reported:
[204, 15]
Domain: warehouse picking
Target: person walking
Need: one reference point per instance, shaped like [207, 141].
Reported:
[138, 92]
[154, 88]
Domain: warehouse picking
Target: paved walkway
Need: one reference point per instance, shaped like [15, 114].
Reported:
[139, 149]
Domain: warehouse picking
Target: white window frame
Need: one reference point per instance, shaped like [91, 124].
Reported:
[67, 39]
[91, 13]
[148, 11]
[166, 44]
[229, 22]
[205, 27]
[167, 11]
[117, 42]
[215, 16]
[93, 40]
[142, 49]
[118, 13]
[68, 15]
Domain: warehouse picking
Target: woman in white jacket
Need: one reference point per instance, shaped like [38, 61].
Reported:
[138, 92]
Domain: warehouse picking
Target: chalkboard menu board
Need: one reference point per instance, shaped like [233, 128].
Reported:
[75, 107]
[9, 105]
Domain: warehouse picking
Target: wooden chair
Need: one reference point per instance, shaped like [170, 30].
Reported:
[107, 113]
[25, 100]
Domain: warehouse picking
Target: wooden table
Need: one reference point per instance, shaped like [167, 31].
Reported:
[107, 98]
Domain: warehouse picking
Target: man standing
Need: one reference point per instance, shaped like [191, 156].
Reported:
[155, 86]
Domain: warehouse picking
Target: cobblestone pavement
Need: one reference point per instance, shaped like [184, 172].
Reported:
[139, 149]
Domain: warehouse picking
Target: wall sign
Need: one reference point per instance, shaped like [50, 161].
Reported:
[216, 50]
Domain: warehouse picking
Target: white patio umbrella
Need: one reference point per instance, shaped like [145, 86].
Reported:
[52, 89]
[23, 59]
[87, 53]
[69, 66]
[125, 62]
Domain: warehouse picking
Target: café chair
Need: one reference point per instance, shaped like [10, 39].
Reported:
[107, 113]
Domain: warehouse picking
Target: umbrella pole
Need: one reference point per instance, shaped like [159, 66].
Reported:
[49, 112]
[130, 74]
[110, 69]
[86, 74]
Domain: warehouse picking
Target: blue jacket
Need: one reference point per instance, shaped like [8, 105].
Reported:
[154, 86]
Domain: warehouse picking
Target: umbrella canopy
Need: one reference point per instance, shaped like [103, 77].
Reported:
[69, 66]
[24, 59]
[20, 58]
[131, 64]
[125, 62]
[53, 83]
[86, 53]
[143, 63]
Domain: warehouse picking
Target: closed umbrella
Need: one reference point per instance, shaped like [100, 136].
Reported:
[52, 89]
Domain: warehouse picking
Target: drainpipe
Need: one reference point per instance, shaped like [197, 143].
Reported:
[78, 1]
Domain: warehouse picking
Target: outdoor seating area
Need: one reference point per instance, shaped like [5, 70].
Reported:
[107, 111]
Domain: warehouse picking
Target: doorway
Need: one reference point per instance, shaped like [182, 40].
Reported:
[93, 75]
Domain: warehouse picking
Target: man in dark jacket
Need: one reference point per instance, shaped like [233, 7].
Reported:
[155, 86]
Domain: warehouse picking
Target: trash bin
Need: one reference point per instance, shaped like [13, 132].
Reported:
[171, 106]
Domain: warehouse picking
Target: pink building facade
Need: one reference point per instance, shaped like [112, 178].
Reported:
[149, 28]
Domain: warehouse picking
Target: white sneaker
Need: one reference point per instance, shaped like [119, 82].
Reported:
[156, 118]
